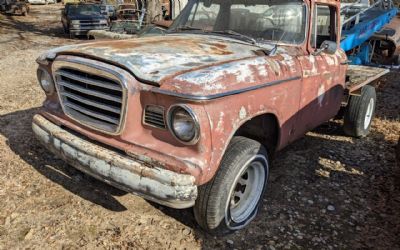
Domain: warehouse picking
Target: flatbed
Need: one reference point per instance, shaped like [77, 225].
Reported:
[358, 76]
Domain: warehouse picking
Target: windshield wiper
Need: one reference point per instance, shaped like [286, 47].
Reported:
[185, 27]
[237, 34]
[222, 32]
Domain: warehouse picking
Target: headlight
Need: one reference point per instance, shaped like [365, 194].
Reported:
[184, 124]
[103, 22]
[75, 26]
[75, 22]
[45, 81]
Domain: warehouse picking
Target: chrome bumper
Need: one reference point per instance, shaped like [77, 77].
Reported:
[153, 183]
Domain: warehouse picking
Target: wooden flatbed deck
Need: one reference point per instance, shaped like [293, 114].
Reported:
[359, 76]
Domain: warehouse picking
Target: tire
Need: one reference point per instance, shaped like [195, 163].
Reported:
[66, 30]
[397, 60]
[398, 153]
[219, 209]
[360, 112]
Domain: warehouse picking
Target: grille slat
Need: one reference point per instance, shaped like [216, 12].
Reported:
[91, 113]
[90, 92]
[97, 83]
[154, 116]
[92, 103]
[91, 97]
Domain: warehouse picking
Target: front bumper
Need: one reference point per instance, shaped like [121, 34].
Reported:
[153, 183]
[83, 30]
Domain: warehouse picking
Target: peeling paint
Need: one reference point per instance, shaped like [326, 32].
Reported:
[242, 113]
[155, 58]
[321, 94]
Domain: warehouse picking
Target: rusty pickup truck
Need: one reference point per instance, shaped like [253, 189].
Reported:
[193, 117]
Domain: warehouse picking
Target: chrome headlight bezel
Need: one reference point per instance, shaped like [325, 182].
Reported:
[170, 122]
[46, 81]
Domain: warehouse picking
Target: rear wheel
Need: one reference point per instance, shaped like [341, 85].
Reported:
[66, 31]
[231, 200]
[397, 60]
[71, 34]
[360, 112]
[398, 153]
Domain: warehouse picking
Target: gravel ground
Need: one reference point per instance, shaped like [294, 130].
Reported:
[327, 191]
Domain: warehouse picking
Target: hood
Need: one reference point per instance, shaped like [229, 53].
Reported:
[157, 58]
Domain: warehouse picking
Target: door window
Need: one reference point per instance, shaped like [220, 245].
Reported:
[324, 25]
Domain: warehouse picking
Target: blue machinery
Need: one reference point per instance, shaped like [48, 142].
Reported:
[361, 22]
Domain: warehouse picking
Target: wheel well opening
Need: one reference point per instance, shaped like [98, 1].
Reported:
[264, 129]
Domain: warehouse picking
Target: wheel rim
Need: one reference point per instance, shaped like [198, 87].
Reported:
[368, 114]
[247, 190]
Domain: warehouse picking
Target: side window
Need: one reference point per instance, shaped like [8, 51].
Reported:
[203, 17]
[324, 25]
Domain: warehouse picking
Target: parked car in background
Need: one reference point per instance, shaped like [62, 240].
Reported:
[387, 47]
[128, 11]
[78, 19]
[109, 10]
[124, 30]
[18, 7]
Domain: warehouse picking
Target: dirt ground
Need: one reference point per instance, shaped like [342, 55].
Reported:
[327, 191]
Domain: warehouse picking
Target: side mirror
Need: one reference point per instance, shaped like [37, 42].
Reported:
[328, 47]
[207, 3]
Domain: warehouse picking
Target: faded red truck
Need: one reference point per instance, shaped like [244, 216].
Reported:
[193, 116]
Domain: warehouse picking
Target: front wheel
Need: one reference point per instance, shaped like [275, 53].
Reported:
[359, 113]
[231, 200]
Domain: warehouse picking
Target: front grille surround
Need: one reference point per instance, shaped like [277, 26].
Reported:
[91, 93]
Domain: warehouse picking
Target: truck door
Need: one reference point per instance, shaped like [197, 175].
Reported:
[323, 78]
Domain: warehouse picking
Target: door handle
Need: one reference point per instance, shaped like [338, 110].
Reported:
[345, 62]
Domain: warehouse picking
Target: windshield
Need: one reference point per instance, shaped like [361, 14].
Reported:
[273, 20]
[84, 9]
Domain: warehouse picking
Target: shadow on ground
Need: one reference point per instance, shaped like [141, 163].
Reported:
[16, 127]
[17, 23]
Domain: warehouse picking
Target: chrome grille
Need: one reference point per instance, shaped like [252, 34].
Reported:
[154, 116]
[91, 24]
[96, 101]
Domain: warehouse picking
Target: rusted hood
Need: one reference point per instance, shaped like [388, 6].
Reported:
[157, 58]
